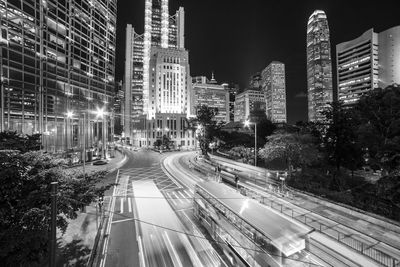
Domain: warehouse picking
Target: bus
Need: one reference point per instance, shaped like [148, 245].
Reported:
[249, 233]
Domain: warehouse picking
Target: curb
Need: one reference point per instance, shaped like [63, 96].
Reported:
[120, 164]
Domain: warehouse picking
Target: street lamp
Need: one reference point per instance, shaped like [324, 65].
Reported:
[247, 123]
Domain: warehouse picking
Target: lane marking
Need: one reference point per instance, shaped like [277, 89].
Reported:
[123, 220]
[122, 205]
[129, 204]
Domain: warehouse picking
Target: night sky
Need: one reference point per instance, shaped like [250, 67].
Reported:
[238, 38]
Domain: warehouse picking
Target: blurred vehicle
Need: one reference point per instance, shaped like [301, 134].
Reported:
[100, 162]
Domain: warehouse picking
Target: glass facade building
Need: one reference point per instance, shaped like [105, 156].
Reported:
[274, 87]
[367, 62]
[213, 95]
[247, 102]
[57, 56]
[319, 65]
[157, 80]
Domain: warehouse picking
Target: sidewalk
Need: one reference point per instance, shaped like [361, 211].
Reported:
[75, 246]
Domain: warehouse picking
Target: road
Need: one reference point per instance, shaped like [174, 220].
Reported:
[145, 230]
[350, 229]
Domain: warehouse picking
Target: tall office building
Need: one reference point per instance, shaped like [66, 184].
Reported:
[248, 102]
[274, 87]
[367, 62]
[157, 78]
[233, 90]
[211, 94]
[160, 30]
[319, 65]
[57, 57]
[133, 80]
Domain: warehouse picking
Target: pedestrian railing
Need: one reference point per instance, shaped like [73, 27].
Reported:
[367, 250]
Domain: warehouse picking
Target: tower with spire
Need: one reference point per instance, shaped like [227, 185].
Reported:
[319, 65]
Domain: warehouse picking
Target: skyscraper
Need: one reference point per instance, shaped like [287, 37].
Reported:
[319, 65]
[213, 95]
[57, 57]
[274, 87]
[160, 30]
[367, 62]
[157, 78]
[248, 102]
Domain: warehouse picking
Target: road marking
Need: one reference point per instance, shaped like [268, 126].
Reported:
[122, 205]
[129, 204]
[141, 251]
[171, 249]
[123, 220]
[108, 229]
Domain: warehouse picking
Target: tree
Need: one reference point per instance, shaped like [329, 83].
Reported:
[157, 143]
[378, 117]
[297, 150]
[207, 128]
[10, 140]
[25, 203]
[264, 126]
[339, 137]
[166, 142]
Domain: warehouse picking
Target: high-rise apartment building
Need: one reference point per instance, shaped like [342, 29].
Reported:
[248, 102]
[367, 62]
[274, 87]
[57, 58]
[211, 94]
[157, 78]
[319, 65]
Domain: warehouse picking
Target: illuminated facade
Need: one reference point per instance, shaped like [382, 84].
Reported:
[247, 102]
[213, 95]
[274, 87]
[57, 57]
[160, 30]
[133, 80]
[367, 62]
[319, 65]
[157, 76]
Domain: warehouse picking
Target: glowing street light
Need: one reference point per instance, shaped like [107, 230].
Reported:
[100, 112]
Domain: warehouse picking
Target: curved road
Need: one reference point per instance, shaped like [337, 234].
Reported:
[139, 231]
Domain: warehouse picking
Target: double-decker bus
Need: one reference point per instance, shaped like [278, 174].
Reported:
[249, 233]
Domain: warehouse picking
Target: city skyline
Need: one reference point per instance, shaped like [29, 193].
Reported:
[253, 41]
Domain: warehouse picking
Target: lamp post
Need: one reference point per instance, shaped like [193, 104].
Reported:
[247, 124]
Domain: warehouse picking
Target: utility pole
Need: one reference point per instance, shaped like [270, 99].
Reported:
[53, 187]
